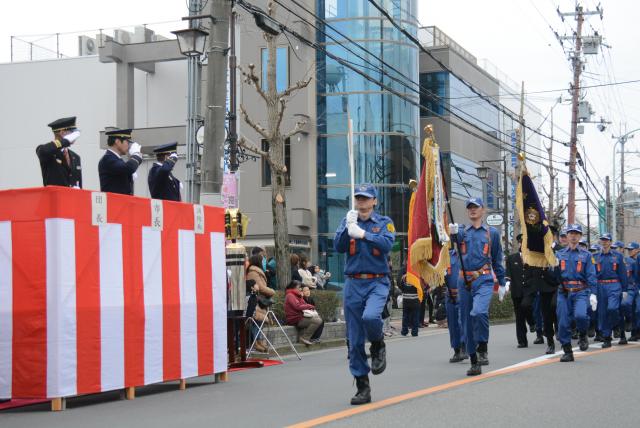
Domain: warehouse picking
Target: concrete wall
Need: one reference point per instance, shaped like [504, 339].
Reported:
[36, 93]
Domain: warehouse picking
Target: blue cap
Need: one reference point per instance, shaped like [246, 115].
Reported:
[366, 190]
[583, 241]
[595, 247]
[618, 244]
[633, 245]
[478, 202]
[574, 228]
[563, 232]
[605, 236]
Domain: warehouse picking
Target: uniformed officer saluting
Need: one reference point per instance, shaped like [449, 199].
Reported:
[59, 164]
[578, 287]
[367, 238]
[162, 183]
[116, 175]
[481, 253]
[612, 281]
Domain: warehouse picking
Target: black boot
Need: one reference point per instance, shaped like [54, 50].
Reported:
[627, 325]
[363, 396]
[606, 343]
[483, 355]
[539, 340]
[574, 334]
[623, 338]
[616, 332]
[456, 356]
[634, 336]
[568, 353]
[475, 369]
[378, 357]
[599, 337]
[551, 346]
[583, 342]
[463, 351]
[592, 331]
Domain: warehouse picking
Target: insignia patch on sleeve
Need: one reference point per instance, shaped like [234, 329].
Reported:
[593, 260]
[391, 228]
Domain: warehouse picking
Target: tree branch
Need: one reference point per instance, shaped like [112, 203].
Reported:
[283, 106]
[253, 80]
[301, 84]
[298, 129]
[256, 126]
[253, 149]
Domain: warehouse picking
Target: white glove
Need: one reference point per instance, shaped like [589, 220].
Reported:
[327, 275]
[507, 286]
[352, 217]
[453, 228]
[72, 137]
[502, 290]
[624, 295]
[173, 157]
[135, 149]
[355, 231]
[593, 300]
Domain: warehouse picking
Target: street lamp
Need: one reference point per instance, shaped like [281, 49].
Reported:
[191, 42]
[483, 172]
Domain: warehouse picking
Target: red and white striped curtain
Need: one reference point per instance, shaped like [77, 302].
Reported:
[91, 304]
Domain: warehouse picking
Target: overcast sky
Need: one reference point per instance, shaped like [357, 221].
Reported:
[514, 35]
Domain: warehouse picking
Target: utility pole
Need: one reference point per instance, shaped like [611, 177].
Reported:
[608, 202]
[215, 115]
[577, 63]
[620, 231]
[552, 175]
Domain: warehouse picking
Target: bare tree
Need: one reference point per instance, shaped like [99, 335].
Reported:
[276, 103]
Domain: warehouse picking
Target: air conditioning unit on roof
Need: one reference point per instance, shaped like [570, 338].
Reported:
[87, 46]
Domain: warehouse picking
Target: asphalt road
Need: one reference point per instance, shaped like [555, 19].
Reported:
[320, 385]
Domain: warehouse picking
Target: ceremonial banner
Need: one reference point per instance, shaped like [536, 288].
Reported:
[412, 277]
[537, 237]
[429, 241]
[89, 306]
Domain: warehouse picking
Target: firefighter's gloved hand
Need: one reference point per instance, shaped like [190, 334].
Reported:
[507, 286]
[355, 231]
[352, 217]
[624, 295]
[453, 228]
[72, 137]
[593, 300]
[501, 292]
[135, 149]
[173, 157]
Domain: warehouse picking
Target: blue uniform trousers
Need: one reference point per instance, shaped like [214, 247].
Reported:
[363, 303]
[572, 306]
[601, 312]
[453, 322]
[610, 304]
[629, 308]
[474, 311]
[410, 320]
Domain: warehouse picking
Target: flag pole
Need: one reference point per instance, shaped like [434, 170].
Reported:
[351, 158]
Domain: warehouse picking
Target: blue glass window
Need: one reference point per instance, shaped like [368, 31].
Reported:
[282, 68]
[433, 93]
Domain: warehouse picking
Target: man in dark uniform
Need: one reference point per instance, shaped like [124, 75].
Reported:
[544, 283]
[116, 175]
[514, 274]
[59, 164]
[367, 238]
[162, 183]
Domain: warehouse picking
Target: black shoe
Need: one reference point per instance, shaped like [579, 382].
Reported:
[634, 336]
[483, 358]
[574, 335]
[463, 352]
[599, 338]
[551, 349]
[532, 328]
[606, 343]
[456, 357]
[592, 332]
[475, 370]
[539, 340]
[363, 396]
[568, 354]
[583, 342]
[378, 357]
[523, 345]
[623, 340]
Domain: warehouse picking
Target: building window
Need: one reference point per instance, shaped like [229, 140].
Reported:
[266, 169]
[434, 93]
[282, 68]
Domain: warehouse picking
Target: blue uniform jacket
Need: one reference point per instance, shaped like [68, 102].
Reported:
[632, 272]
[452, 277]
[611, 266]
[116, 175]
[576, 265]
[476, 257]
[367, 255]
[162, 184]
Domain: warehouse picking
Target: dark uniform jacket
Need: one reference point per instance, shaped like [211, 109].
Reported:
[515, 273]
[540, 279]
[55, 170]
[116, 175]
[162, 184]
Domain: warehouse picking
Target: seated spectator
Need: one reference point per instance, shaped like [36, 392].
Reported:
[295, 267]
[256, 312]
[321, 276]
[255, 272]
[299, 313]
[410, 308]
[307, 277]
[306, 295]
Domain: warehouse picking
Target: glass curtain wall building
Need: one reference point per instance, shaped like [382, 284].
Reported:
[385, 126]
